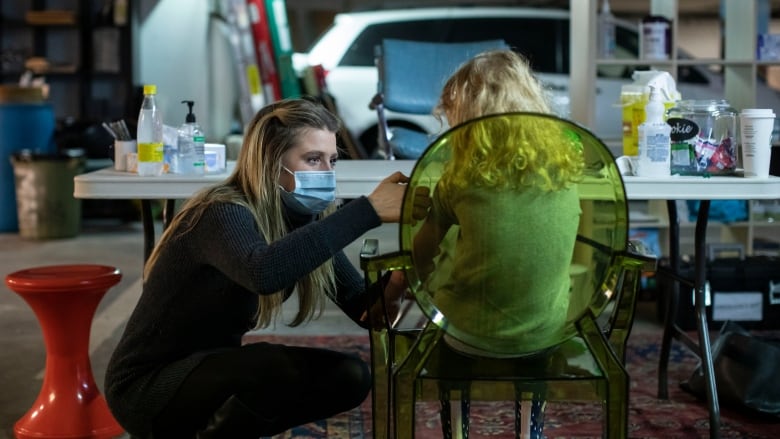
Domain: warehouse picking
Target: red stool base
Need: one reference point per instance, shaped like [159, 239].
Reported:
[64, 299]
[88, 421]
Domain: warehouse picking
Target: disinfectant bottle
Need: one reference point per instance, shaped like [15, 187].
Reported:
[606, 32]
[634, 98]
[191, 145]
[655, 147]
[150, 135]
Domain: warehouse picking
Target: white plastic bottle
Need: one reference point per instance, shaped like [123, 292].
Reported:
[655, 146]
[150, 135]
[191, 146]
[606, 32]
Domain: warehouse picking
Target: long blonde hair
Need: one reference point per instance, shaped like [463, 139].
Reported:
[505, 152]
[254, 185]
[495, 81]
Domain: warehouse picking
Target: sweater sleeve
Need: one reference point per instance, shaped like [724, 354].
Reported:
[351, 286]
[228, 239]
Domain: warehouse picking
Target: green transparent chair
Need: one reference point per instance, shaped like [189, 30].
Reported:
[451, 342]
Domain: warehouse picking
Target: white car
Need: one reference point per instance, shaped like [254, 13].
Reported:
[346, 52]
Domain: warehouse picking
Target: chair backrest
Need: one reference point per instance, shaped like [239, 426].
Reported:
[412, 73]
[504, 267]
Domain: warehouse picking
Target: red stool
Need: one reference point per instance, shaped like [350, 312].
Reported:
[64, 299]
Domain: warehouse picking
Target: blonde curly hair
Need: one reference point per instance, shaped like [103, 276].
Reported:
[505, 152]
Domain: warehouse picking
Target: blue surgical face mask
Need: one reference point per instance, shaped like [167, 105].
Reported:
[314, 191]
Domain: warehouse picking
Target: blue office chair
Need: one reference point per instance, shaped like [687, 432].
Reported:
[530, 311]
[411, 76]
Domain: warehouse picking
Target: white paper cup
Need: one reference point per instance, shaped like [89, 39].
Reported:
[756, 125]
[121, 149]
[132, 162]
[625, 165]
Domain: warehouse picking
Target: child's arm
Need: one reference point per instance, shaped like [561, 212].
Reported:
[426, 243]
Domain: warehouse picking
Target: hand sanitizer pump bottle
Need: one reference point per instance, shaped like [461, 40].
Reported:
[655, 146]
[191, 153]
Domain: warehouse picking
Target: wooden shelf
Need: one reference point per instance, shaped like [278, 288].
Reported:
[67, 33]
[740, 82]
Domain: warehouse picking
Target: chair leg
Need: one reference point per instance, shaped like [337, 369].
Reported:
[617, 409]
[403, 416]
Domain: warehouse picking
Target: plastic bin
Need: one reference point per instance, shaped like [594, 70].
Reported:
[45, 205]
[26, 123]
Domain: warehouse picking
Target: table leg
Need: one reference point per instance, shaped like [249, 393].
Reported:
[701, 317]
[701, 347]
[672, 301]
[148, 222]
[169, 209]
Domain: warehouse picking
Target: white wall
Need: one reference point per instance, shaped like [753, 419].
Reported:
[186, 54]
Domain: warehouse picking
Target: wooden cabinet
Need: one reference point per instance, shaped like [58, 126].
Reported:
[85, 50]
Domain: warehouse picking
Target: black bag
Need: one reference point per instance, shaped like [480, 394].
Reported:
[746, 371]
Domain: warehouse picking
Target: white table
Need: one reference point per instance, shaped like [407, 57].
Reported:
[353, 178]
[359, 177]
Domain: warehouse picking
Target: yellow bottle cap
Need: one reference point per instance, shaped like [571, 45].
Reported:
[150, 89]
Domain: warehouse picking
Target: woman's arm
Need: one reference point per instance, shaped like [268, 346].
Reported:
[356, 301]
[227, 238]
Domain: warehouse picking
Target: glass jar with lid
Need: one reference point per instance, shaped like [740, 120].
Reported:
[704, 134]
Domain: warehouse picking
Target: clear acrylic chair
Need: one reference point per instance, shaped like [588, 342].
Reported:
[411, 75]
[463, 338]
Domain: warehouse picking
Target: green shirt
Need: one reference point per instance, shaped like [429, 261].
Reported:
[508, 289]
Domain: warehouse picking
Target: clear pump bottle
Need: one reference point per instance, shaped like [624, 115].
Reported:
[606, 32]
[150, 135]
[191, 145]
[655, 145]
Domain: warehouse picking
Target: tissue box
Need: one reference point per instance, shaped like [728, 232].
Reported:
[216, 161]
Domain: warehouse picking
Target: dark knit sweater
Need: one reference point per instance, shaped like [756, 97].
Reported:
[202, 296]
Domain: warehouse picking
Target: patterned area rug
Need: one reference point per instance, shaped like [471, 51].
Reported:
[682, 416]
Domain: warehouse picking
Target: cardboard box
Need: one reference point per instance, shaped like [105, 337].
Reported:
[216, 161]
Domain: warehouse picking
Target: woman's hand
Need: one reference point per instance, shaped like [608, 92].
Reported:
[421, 203]
[394, 293]
[388, 196]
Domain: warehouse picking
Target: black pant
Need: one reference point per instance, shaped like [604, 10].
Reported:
[285, 386]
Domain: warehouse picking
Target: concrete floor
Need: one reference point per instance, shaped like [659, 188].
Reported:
[109, 242]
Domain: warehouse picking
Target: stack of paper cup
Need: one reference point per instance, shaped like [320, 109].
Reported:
[756, 125]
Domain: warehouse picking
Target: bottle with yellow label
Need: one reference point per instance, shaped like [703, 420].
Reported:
[632, 101]
[634, 98]
[150, 135]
